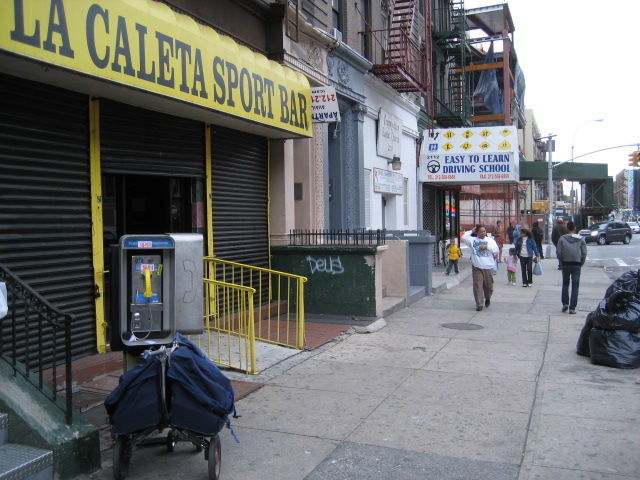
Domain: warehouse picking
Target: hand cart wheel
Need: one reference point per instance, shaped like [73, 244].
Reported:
[215, 452]
[171, 441]
[121, 457]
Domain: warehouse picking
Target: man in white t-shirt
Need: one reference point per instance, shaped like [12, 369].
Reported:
[483, 253]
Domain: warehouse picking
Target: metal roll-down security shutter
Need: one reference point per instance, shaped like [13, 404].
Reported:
[239, 182]
[136, 141]
[45, 208]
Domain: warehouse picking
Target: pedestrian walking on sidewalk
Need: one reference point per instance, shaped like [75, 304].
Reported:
[572, 253]
[536, 233]
[484, 251]
[454, 254]
[516, 234]
[558, 231]
[499, 238]
[527, 252]
[512, 266]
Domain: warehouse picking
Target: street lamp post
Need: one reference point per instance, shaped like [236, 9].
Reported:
[573, 141]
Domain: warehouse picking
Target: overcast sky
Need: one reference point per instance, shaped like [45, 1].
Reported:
[581, 62]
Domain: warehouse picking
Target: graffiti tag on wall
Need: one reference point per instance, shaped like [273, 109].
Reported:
[332, 266]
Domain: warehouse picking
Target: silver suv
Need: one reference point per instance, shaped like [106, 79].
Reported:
[603, 233]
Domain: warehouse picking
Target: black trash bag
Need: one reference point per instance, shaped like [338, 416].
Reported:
[614, 348]
[582, 347]
[627, 282]
[619, 311]
[136, 403]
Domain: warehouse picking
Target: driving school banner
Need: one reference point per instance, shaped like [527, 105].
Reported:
[145, 45]
[469, 156]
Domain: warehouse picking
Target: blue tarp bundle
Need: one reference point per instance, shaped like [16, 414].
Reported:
[136, 403]
[199, 397]
[487, 91]
[202, 397]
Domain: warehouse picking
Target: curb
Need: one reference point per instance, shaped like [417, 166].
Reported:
[372, 327]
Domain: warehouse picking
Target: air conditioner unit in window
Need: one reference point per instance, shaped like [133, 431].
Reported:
[336, 34]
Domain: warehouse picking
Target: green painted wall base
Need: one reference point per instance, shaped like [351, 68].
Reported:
[34, 421]
[341, 279]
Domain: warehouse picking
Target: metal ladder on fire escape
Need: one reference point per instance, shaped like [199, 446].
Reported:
[404, 64]
[457, 77]
[400, 30]
[453, 42]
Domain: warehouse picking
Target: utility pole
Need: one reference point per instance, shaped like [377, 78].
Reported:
[551, 200]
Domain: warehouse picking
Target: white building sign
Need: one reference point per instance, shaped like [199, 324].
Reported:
[324, 105]
[471, 156]
[386, 181]
[389, 134]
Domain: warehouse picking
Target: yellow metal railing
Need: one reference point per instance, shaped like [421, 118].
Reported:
[230, 314]
[278, 308]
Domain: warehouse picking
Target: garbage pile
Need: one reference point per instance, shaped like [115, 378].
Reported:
[611, 334]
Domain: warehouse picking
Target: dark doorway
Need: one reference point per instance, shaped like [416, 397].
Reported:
[144, 204]
[141, 204]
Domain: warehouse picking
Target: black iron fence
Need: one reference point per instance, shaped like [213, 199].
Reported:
[337, 237]
[35, 340]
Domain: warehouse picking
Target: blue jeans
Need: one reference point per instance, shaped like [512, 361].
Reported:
[526, 265]
[570, 273]
[454, 264]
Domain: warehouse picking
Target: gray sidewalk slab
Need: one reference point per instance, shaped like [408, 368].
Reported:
[442, 392]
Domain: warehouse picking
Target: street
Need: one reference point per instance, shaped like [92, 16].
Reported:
[616, 258]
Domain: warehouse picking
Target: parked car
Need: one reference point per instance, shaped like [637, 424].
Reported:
[603, 233]
[635, 228]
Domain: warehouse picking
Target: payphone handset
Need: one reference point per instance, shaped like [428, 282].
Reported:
[146, 293]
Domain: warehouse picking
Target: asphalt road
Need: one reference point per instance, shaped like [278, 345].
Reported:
[616, 258]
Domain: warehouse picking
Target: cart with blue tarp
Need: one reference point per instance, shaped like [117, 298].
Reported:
[174, 387]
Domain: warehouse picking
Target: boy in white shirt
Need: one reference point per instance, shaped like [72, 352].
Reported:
[483, 257]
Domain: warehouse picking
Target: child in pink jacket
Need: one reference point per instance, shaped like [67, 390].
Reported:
[512, 266]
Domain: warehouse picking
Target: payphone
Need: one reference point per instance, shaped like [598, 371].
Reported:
[160, 289]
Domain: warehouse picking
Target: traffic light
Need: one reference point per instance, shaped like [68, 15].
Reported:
[634, 159]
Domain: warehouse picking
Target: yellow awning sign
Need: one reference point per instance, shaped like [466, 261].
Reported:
[144, 44]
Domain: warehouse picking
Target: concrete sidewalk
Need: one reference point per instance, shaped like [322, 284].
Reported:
[441, 392]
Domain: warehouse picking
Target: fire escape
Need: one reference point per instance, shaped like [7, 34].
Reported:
[453, 106]
[403, 53]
